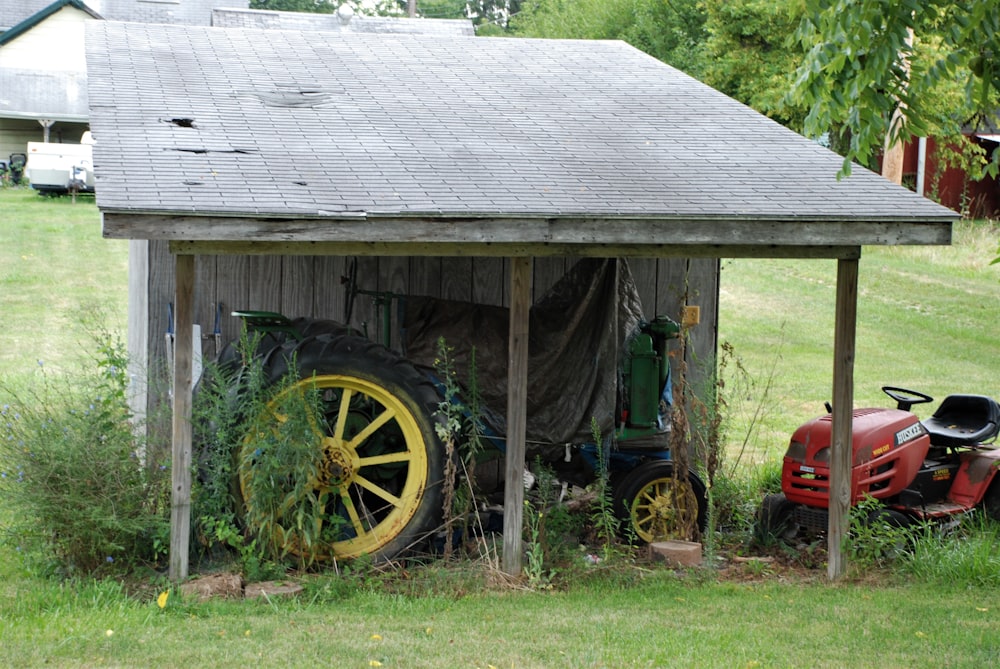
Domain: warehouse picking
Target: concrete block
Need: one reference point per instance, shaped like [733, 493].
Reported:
[676, 553]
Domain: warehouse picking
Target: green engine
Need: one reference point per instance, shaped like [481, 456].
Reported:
[646, 381]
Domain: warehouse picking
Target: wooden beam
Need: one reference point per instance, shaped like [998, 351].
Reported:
[419, 249]
[541, 230]
[843, 410]
[180, 492]
[517, 413]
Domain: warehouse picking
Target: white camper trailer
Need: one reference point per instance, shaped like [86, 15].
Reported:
[61, 168]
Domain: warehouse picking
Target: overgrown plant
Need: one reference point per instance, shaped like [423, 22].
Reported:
[878, 536]
[536, 569]
[460, 431]
[606, 524]
[280, 461]
[74, 470]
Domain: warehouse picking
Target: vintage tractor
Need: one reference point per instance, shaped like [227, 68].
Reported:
[382, 459]
[930, 470]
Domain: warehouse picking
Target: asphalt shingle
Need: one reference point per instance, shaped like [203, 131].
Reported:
[255, 122]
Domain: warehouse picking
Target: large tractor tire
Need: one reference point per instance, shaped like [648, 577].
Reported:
[652, 507]
[378, 481]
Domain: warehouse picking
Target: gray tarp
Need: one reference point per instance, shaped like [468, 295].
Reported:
[577, 333]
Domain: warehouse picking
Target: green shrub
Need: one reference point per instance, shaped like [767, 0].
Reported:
[74, 472]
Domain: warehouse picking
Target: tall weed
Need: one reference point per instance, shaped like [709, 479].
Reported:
[74, 471]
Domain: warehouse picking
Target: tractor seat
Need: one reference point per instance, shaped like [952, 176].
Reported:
[964, 420]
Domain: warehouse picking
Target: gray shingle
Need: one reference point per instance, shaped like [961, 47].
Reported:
[297, 123]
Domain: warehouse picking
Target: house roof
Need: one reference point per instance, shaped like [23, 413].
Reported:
[508, 141]
[42, 14]
[343, 20]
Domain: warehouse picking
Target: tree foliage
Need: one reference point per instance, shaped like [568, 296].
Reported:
[750, 55]
[866, 58]
[670, 30]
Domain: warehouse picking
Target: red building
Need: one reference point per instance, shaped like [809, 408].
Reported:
[950, 186]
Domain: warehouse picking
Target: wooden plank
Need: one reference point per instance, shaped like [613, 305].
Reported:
[437, 251]
[488, 281]
[137, 331]
[161, 295]
[425, 276]
[265, 283]
[393, 274]
[517, 410]
[328, 297]
[365, 316]
[204, 303]
[703, 292]
[456, 274]
[232, 291]
[539, 231]
[547, 271]
[644, 275]
[843, 408]
[298, 286]
[180, 496]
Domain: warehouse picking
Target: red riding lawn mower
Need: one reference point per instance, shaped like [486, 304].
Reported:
[920, 471]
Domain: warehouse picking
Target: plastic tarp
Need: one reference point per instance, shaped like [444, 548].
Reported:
[577, 334]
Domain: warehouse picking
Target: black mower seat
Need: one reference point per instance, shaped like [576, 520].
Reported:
[964, 420]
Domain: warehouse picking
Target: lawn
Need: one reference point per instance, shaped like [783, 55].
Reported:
[927, 320]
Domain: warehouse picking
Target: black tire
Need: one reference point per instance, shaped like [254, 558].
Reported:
[230, 358]
[382, 495]
[775, 520]
[991, 500]
[644, 503]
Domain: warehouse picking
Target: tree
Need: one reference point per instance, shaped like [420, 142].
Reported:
[670, 30]
[854, 74]
[750, 56]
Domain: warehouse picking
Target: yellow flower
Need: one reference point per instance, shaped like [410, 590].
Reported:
[161, 601]
[376, 637]
[109, 633]
[374, 663]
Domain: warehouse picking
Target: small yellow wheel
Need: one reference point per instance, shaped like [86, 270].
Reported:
[656, 507]
[368, 442]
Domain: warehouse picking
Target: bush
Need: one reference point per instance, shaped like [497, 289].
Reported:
[73, 472]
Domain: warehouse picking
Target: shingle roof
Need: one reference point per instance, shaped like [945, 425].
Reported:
[287, 123]
[344, 20]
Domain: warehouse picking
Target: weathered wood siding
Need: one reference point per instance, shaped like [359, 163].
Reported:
[312, 286]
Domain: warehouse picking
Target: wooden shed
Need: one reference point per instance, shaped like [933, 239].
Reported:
[460, 167]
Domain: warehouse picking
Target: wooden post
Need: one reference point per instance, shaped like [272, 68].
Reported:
[843, 410]
[180, 497]
[517, 409]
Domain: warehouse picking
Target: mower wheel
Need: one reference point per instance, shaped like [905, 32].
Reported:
[991, 500]
[376, 488]
[653, 507]
[775, 521]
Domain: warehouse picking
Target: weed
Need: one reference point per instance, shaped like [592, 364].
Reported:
[606, 523]
[879, 536]
[535, 569]
[72, 468]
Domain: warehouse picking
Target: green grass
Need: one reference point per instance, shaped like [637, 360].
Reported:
[659, 621]
[55, 270]
[927, 319]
